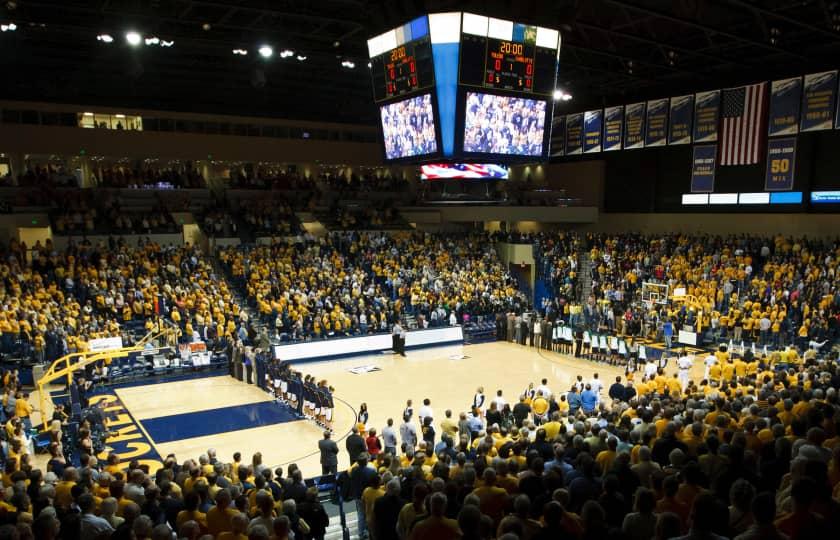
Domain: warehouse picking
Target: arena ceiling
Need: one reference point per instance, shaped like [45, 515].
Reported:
[613, 51]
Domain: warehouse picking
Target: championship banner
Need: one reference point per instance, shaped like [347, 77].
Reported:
[819, 96]
[592, 121]
[703, 168]
[785, 98]
[679, 125]
[558, 136]
[574, 134]
[613, 120]
[706, 114]
[657, 122]
[634, 126]
[781, 162]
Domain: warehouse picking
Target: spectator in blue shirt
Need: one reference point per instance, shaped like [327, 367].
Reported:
[573, 397]
[589, 400]
[668, 333]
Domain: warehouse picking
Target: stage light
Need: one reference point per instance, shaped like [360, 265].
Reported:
[560, 95]
[133, 38]
[240, 52]
[301, 58]
[266, 51]
[285, 53]
[105, 38]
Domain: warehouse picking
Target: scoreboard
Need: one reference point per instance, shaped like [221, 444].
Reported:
[460, 86]
[504, 55]
[406, 67]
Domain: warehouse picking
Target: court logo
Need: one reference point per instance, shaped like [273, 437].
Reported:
[125, 439]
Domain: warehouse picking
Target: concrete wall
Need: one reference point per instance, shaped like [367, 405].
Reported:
[34, 139]
[454, 213]
[817, 225]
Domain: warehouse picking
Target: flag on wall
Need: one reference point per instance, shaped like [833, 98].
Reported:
[742, 117]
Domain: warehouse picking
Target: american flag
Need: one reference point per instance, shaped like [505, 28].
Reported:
[463, 170]
[744, 110]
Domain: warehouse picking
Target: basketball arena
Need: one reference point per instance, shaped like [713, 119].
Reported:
[430, 270]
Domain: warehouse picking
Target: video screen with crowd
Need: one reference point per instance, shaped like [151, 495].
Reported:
[504, 125]
[408, 127]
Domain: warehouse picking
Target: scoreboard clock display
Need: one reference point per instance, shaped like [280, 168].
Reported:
[510, 65]
[403, 69]
[508, 56]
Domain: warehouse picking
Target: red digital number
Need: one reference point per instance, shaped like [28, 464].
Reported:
[490, 77]
[528, 83]
[529, 69]
[414, 80]
[411, 67]
[498, 64]
[392, 74]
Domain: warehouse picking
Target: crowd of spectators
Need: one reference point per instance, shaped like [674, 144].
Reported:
[363, 218]
[356, 283]
[361, 183]
[61, 300]
[750, 455]
[772, 291]
[149, 177]
[265, 178]
[87, 212]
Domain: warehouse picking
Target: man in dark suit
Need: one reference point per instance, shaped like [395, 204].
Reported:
[329, 454]
[355, 445]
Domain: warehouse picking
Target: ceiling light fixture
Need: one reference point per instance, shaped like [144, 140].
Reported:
[285, 53]
[105, 38]
[133, 38]
[561, 95]
[348, 64]
[266, 51]
[240, 52]
[11, 27]
[301, 58]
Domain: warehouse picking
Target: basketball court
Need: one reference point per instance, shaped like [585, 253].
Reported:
[187, 417]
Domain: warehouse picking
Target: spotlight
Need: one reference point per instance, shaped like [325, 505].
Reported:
[105, 38]
[301, 58]
[266, 51]
[133, 38]
[285, 53]
[240, 52]
[560, 95]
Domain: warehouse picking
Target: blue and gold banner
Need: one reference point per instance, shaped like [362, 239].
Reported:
[613, 124]
[819, 97]
[785, 98]
[781, 163]
[574, 134]
[634, 126]
[706, 114]
[703, 168]
[657, 122]
[679, 125]
[558, 136]
[592, 121]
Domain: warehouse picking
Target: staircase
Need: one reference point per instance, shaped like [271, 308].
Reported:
[334, 531]
[585, 275]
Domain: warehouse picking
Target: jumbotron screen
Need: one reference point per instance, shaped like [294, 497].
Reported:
[504, 125]
[463, 171]
[408, 127]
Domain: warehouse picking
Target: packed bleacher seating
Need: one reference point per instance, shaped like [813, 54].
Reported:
[362, 183]
[355, 283]
[267, 178]
[771, 291]
[149, 177]
[88, 212]
[60, 301]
